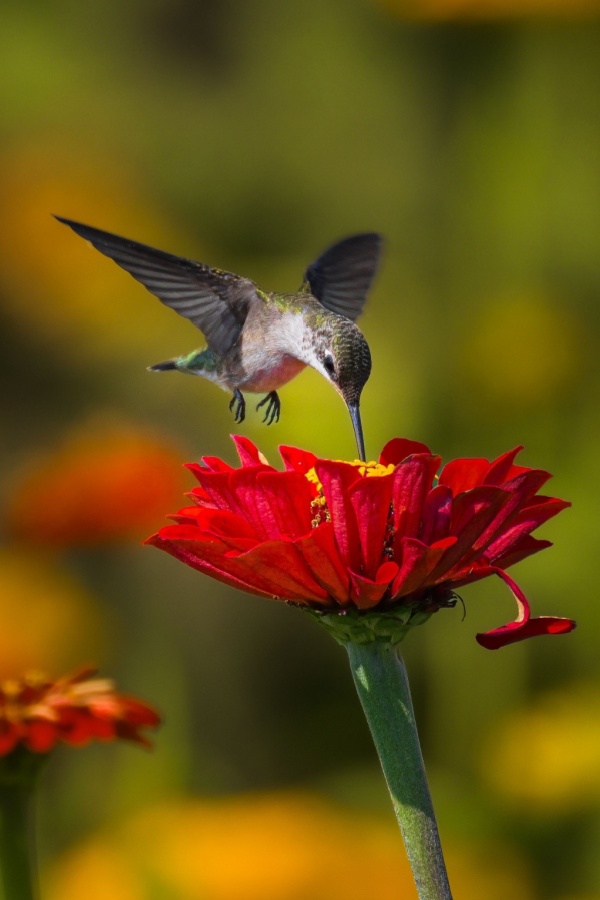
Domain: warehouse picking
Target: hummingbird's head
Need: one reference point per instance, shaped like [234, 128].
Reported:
[344, 358]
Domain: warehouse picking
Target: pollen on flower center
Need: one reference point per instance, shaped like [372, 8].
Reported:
[370, 469]
[319, 502]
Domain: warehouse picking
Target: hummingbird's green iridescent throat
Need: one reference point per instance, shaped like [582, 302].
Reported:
[258, 341]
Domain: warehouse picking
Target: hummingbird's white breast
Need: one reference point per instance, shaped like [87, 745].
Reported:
[271, 353]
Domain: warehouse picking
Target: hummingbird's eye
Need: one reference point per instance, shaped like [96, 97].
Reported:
[329, 365]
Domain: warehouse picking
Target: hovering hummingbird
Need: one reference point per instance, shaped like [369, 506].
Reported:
[258, 341]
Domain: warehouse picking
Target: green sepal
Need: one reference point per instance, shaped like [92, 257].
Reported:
[356, 627]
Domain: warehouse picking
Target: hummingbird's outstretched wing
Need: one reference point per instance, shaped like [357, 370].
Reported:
[216, 302]
[341, 277]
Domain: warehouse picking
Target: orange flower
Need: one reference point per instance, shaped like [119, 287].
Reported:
[109, 481]
[38, 713]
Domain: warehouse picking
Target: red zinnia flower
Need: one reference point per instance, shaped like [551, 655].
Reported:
[39, 713]
[330, 536]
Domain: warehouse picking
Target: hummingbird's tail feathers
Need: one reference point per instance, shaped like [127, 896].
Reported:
[165, 366]
[341, 277]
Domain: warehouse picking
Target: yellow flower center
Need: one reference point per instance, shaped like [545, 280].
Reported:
[319, 503]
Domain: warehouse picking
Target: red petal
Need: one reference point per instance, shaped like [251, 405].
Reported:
[527, 546]
[510, 634]
[321, 555]
[463, 474]
[254, 504]
[288, 496]
[366, 592]
[370, 499]
[282, 565]
[337, 478]
[41, 736]
[82, 727]
[211, 559]
[297, 460]
[138, 714]
[217, 486]
[523, 627]
[418, 563]
[472, 512]
[411, 485]
[501, 469]
[209, 524]
[437, 513]
[524, 522]
[212, 463]
[271, 569]
[519, 491]
[8, 738]
[248, 452]
[399, 449]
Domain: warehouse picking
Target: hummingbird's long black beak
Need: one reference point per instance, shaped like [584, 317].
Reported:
[354, 411]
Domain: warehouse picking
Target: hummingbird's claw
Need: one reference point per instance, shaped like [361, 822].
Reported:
[239, 413]
[273, 407]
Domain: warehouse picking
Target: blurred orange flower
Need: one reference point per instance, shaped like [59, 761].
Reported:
[284, 846]
[109, 481]
[38, 713]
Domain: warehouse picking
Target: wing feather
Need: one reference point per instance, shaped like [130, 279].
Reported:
[216, 302]
[342, 276]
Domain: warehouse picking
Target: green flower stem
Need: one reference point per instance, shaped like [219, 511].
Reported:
[18, 870]
[382, 684]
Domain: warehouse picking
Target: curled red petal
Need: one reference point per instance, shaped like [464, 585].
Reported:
[523, 626]
[513, 632]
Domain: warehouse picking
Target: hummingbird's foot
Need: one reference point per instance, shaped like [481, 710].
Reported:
[273, 407]
[237, 401]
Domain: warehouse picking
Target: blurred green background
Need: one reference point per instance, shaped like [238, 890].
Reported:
[250, 135]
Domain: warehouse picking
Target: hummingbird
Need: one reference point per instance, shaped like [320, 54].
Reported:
[257, 341]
